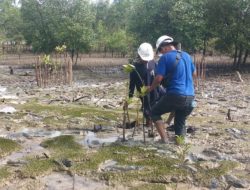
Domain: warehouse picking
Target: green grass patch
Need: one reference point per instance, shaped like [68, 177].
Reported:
[64, 147]
[204, 176]
[69, 111]
[8, 146]
[149, 187]
[37, 167]
[4, 173]
[154, 168]
[65, 142]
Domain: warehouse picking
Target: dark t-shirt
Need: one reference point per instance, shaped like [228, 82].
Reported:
[144, 76]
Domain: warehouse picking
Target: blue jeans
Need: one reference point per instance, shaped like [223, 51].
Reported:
[181, 105]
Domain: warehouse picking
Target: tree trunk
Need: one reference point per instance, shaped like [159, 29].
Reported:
[77, 56]
[105, 51]
[235, 56]
[204, 47]
[240, 57]
[69, 70]
[72, 55]
[245, 57]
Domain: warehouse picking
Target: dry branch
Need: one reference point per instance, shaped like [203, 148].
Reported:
[77, 99]
[239, 76]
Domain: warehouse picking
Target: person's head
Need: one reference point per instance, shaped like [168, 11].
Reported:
[146, 52]
[164, 44]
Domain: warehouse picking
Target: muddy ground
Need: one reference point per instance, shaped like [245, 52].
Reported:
[48, 139]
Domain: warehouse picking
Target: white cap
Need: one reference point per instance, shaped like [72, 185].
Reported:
[162, 39]
[146, 52]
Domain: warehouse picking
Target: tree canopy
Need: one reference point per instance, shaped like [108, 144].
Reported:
[10, 21]
[120, 26]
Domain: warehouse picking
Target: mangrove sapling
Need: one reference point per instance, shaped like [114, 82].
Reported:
[126, 119]
[137, 102]
[42, 69]
[128, 68]
[183, 149]
[52, 71]
[38, 71]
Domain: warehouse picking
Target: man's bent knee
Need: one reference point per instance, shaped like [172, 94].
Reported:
[156, 118]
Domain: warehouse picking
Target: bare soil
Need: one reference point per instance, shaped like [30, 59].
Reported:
[217, 157]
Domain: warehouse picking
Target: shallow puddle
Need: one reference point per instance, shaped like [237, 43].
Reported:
[91, 139]
[7, 109]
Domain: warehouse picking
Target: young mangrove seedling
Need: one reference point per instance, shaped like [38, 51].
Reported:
[128, 68]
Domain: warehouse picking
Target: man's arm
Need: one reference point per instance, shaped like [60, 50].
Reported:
[157, 81]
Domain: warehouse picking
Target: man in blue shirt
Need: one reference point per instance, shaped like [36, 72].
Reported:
[177, 70]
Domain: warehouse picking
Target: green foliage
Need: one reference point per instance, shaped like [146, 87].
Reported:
[120, 26]
[231, 28]
[180, 140]
[150, 19]
[187, 19]
[128, 68]
[144, 91]
[46, 60]
[10, 22]
[56, 22]
[120, 41]
[115, 16]
[111, 27]
[129, 100]
[61, 49]
[193, 22]
[233, 25]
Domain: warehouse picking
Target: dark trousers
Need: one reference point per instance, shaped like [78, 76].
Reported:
[181, 105]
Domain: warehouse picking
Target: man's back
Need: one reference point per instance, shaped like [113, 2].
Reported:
[180, 82]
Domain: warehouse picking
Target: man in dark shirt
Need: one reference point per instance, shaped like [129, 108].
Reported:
[143, 75]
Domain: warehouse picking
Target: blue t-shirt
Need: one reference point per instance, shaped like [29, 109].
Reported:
[181, 81]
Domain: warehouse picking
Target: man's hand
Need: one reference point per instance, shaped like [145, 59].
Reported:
[156, 82]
